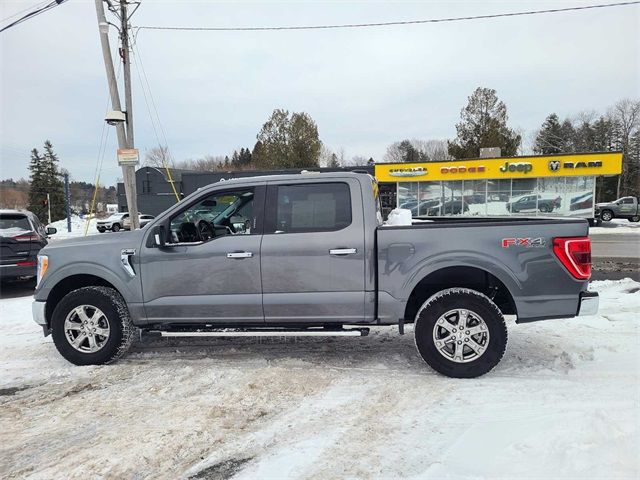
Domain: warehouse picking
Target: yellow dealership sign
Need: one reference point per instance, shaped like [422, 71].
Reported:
[575, 165]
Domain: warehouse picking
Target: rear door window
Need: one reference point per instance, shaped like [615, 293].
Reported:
[315, 207]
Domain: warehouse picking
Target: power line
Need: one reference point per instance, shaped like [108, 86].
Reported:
[34, 13]
[388, 24]
[38, 5]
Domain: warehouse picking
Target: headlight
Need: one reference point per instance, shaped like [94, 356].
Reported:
[43, 264]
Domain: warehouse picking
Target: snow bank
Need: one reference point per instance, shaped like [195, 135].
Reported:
[617, 225]
[78, 226]
[562, 404]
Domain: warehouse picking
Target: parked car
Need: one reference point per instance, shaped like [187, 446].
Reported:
[582, 202]
[533, 202]
[625, 207]
[142, 218]
[21, 238]
[422, 208]
[313, 258]
[114, 222]
[453, 206]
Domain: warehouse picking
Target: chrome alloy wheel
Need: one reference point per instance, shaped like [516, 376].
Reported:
[461, 335]
[86, 328]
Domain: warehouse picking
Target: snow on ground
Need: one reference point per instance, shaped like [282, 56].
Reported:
[562, 404]
[617, 225]
[78, 226]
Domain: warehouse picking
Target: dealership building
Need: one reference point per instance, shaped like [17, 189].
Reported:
[557, 185]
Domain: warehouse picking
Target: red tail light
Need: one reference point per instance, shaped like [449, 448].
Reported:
[26, 264]
[575, 254]
[26, 238]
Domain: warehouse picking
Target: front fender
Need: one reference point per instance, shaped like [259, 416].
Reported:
[129, 287]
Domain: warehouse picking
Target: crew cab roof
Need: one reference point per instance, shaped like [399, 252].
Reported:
[289, 176]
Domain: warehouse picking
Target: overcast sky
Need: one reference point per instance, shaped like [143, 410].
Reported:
[365, 88]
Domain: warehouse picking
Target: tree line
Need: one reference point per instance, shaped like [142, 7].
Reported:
[291, 140]
[46, 177]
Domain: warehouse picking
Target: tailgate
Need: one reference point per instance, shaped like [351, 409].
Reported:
[16, 238]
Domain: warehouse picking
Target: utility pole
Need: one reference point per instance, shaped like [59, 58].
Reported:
[49, 207]
[67, 201]
[125, 139]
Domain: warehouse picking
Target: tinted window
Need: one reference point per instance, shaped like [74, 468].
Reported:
[627, 200]
[14, 223]
[319, 207]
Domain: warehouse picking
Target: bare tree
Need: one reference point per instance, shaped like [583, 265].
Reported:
[626, 115]
[208, 163]
[417, 150]
[358, 160]
[157, 157]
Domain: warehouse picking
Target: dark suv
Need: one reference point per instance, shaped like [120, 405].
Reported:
[21, 238]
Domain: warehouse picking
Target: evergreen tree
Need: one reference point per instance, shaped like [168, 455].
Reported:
[550, 139]
[38, 187]
[288, 141]
[484, 124]
[55, 184]
[245, 157]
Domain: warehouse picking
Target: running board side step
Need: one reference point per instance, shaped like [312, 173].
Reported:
[352, 332]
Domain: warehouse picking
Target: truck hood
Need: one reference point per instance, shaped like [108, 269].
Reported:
[604, 204]
[97, 242]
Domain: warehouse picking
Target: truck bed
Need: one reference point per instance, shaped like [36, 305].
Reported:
[517, 252]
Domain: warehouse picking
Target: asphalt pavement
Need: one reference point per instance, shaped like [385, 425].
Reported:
[611, 245]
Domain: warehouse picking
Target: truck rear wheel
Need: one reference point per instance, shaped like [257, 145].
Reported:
[460, 333]
[634, 219]
[92, 326]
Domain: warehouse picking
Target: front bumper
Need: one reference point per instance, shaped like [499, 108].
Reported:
[589, 302]
[37, 311]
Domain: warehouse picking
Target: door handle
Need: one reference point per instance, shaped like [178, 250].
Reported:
[342, 251]
[239, 254]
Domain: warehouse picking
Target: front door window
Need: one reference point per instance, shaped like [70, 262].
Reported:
[217, 215]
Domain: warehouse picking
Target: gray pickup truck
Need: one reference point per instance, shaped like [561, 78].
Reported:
[308, 254]
[625, 207]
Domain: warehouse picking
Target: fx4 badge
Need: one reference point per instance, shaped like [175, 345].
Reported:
[523, 242]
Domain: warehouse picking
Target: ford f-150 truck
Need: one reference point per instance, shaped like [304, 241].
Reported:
[308, 254]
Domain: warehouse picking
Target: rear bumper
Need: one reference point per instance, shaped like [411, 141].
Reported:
[15, 271]
[589, 302]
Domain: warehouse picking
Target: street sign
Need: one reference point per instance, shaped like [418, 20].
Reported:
[128, 156]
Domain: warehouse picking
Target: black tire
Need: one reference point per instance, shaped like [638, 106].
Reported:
[460, 298]
[545, 208]
[102, 230]
[634, 219]
[115, 227]
[121, 333]
[606, 215]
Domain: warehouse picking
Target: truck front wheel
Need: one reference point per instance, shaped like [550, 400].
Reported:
[460, 333]
[92, 326]
[606, 215]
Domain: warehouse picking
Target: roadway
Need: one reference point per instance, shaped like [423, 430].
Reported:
[611, 245]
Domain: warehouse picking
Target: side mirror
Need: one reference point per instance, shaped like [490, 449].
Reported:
[159, 236]
[51, 231]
